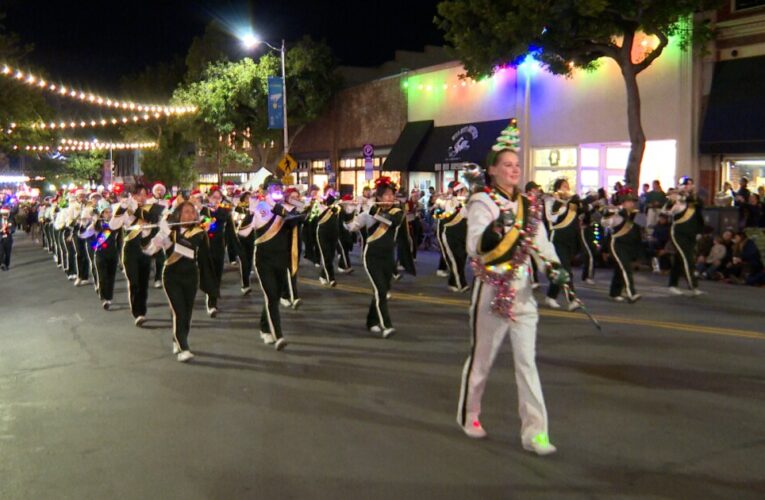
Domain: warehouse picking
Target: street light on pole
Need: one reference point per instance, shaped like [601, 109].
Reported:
[250, 41]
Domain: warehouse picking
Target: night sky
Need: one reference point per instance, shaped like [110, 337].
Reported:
[94, 43]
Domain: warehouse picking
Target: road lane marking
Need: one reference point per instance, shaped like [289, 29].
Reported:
[666, 325]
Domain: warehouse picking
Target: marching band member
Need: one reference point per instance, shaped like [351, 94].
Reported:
[232, 241]
[414, 210]
[687, 223]
[453, 227]
[504, 232]
[624, 246]
[346, 238]
[188, 267]
[381, 221]
[561, 212]
[242, 218]
[70, 217]
[220, 229]
[405, 246]
[274, 252]
[290, 296]
[158, 206]
[7, 228]
[80, 215]
[327, 232]
[130, 215]
[106, 250]
[587, 235]
[311, 252]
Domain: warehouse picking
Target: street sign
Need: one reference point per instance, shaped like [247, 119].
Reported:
[287, 165]
[288, 180]
[368, 152]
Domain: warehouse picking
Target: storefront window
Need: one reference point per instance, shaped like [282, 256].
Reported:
[590, 157]
[753, 170]
[555, 157]
[546, 177]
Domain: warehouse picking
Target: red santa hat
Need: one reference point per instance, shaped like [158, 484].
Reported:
[158, 187]
[347, 197]
[289, 191]
[196, 192]
[213, 188]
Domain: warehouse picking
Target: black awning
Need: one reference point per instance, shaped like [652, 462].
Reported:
[735, 116]
[450, 146]
[407, 146]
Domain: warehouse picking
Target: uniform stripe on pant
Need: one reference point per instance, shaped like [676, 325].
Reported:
[462, 407]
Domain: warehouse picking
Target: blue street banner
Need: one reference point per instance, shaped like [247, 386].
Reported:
[275, 102]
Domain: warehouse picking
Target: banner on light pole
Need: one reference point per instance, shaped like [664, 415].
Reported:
[275, 102]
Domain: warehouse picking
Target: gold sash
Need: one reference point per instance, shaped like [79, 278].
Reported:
[272, 231]
[507, 241]
[570, 216]
[624, 230]
[456, 220]
[689, 212]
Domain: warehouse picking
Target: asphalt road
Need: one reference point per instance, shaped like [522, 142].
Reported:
[667, 402]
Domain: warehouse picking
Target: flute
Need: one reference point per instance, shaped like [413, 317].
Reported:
[169, 224]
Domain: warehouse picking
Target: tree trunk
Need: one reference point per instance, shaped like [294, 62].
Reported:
[634, 122]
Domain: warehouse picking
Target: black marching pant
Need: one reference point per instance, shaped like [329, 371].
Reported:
[81, 254]
[327, 242]
[137, 270]
[273, 281]
[589, 252]
[565, 254]
[622, 278]
[456, 252]
[106, 266]
[683, 262]
[71, 255]
[218, 259]
[6, 246]
[159, 265]
[290, 291]
[380, 271]
[247, 243]
[181, 281]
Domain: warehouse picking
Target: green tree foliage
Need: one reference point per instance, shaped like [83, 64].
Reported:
[85, 166]
[172, 162]
[18, 103]
[232, 97]
[568, 34]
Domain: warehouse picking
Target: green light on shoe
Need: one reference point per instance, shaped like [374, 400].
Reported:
[542, 439]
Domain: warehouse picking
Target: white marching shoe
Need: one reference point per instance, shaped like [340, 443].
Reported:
[185, 356]
[375, 329]
[442, 273]
[285, 302]
[388, 332]
[696, 292]
[474, 429]
[246, 290]
[106, 305]
[675, 291]
[552, 303]
[296, 303]
[590, 281]
[140, 320]
[267, 338]
[157, 284]
[540, 444]
[280, 344]
[212, 312]
[176, 348]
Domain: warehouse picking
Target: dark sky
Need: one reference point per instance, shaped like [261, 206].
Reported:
[95, 42]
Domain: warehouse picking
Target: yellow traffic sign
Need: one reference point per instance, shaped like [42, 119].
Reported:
[288, 180]
[287, 164]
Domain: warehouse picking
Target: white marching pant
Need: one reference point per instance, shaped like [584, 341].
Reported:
[488, 332]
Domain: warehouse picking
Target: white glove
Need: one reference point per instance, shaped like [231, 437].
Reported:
[164, 227]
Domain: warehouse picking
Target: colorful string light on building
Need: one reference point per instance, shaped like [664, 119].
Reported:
[70, 92]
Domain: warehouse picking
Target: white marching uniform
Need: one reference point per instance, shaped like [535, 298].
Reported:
[490, 329]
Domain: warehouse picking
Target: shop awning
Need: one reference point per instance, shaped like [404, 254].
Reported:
[407, 146]
[735, 116]
[449, 147]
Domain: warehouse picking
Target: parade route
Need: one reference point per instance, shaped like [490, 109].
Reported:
[667, 402]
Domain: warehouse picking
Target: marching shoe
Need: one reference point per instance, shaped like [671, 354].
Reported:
[634, 298]
[280, 344]
[72, 277]
[176, 348]
[442, 273]
[540, 444]
[464, 289]
[400, 268]
[212, 312]
[333, 284]
[82, 283]
[375, 329]
[185, 356]
[267, 338]
[388, 296]
[696, 292]
[388, 332]
[157, 284]
[323, 281]
[474, 429]
[590, 281]
[346, 270]
[285, 302]
[77, 282]
[317, 265]
[140, 320]
[675, 291]
[618, 298]
[397, 277]
[453, 288]
[246, 290]
[552, 303]
[574, 305]
[106, 305]
[296, 303]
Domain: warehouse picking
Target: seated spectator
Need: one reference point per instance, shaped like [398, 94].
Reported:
[725, 197]
[707, 266]
[659, 246]
[746, 265]
[751, 211]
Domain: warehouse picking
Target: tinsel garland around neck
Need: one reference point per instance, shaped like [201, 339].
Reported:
[501, 276]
